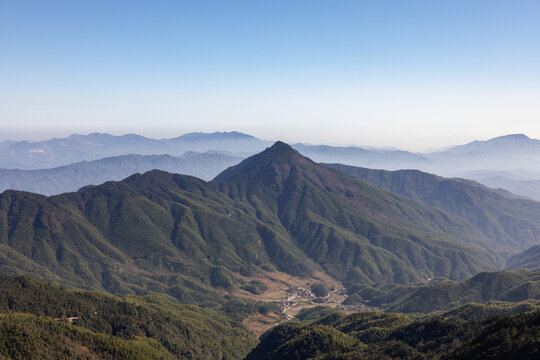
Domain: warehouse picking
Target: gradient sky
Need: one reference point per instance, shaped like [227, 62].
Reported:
[410, 74]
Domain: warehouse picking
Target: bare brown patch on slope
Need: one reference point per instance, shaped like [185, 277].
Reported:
[259, 323]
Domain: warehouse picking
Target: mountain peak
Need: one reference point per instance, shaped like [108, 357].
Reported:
[199, 136]
[278, 152]
[511, 137]
[504, 144]
[278, 155]
[280, 146]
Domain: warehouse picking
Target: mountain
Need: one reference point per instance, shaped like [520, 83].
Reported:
[197, 241]
[510, 157]
[515, 157]
[511, 153]
[234, 142]
[514, 143]
[528, 259]
[159, 239]
[512, 222]
[31, 155]
[321, 208]
[382, 336]
[74, 176]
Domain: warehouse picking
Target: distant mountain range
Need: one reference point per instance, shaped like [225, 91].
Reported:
[506, 153]
[511, 153]
[75, 176]
[509, 162]
[76, 148]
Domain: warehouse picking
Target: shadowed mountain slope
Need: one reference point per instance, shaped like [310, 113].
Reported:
[513, 223]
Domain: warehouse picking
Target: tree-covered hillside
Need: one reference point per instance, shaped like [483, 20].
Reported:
[383, 336]
[135, 326]
[182, 236]
[509, 286]
[513, 223]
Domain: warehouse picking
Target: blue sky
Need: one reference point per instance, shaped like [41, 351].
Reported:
[412, 74]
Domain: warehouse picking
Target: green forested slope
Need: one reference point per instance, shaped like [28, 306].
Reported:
[178, 235]
[513, 223]
[510, 286]
[390, 336]
[181, 331]
[26, 336]
[347, 226]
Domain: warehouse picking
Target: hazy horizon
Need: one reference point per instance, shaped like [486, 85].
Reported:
[414, 75]
[46, 134]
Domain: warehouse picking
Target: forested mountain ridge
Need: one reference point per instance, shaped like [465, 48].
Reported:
[179, 235]
[512, 222]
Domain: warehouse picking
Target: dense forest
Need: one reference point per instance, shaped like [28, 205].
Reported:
[375, 335]
[36, 317]
[42, 321]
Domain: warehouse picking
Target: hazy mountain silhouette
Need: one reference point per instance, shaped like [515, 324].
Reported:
[75, 148]
[74, 176]
[514, 158]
